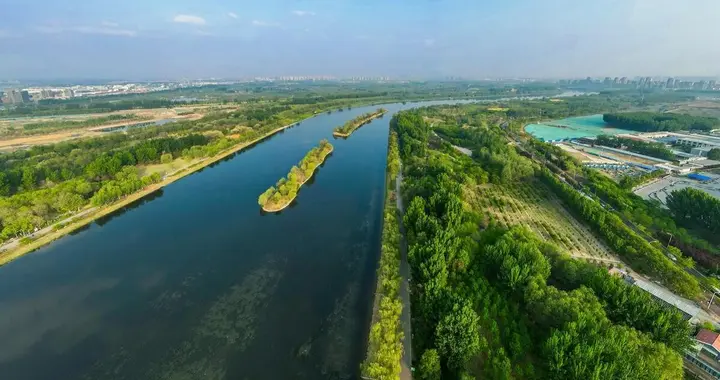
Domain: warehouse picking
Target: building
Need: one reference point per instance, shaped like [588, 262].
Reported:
[25, 96]
[670, 83]
[687, 308]
[14, 97]
[702, 358]
[699, 142]
[700, 152]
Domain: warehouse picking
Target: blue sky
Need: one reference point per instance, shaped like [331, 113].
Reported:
[163, 39]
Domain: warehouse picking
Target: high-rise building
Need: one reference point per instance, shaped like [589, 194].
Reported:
[670, 83]
[25, 96]
[68, 93]
[623, 80]
[606, 81]
[14, 97]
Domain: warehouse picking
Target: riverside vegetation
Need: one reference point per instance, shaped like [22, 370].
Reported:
[499, 302]
[660, 121]
[349, 127]
[45, 184]
[385, 342]
[278, 197]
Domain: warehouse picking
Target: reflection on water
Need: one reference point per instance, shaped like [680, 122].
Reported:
[101, 221]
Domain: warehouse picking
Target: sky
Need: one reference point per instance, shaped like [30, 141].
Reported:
[189, 39]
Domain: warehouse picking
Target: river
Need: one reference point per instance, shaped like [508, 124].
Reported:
[195, 282]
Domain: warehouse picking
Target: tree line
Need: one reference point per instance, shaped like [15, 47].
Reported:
[695, 208]
[648, 215]
[660, 121]
[652, 149]
[483, 302]
[385, 347]
[642, 256]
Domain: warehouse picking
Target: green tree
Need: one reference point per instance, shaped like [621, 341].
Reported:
[456, 337]
[4, 184]
[714, 154]
[29, 178]
[429, 366]
[166, 158]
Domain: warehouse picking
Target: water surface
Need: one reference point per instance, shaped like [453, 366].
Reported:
[195, 282]
[573, 127]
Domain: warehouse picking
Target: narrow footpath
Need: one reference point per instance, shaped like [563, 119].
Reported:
[405, 320]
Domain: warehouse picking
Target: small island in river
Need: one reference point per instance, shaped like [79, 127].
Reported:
[278, 197]
[348, 128]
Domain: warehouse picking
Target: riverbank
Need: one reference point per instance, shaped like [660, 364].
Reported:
[12, 254]
[389, 349]
[359, 124]
[278, 208]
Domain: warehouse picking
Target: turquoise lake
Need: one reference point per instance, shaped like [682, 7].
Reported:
[573, 127]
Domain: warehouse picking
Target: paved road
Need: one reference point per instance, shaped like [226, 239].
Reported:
[12, 244]
[406, 364]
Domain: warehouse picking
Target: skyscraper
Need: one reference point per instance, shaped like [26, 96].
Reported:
[670, 83]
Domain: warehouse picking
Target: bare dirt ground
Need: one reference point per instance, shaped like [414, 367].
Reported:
[709, 108]
[146, 115]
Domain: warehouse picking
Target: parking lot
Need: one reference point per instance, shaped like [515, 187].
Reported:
[659, 190]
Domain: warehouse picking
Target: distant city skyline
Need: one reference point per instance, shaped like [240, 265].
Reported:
[164, 40]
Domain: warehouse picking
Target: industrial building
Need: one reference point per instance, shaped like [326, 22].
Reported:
[702, 358]
[699, 141]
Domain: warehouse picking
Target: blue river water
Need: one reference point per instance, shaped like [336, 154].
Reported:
[195, 282]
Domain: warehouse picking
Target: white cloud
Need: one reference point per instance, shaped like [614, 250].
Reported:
[110, 24]
[87, 30]
[303, 13]
[233, 15]
[266, 24]
[189, 19]
[429, 42]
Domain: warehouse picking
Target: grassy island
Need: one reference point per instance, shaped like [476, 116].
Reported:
[348, 128]
[282, 194]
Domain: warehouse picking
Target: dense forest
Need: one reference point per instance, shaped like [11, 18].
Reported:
[693, 207]
[660, 121]
[495, 303]
[652, 149]
[281, 195]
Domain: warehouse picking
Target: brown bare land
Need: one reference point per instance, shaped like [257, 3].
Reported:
[710, 108]
[142, 116]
